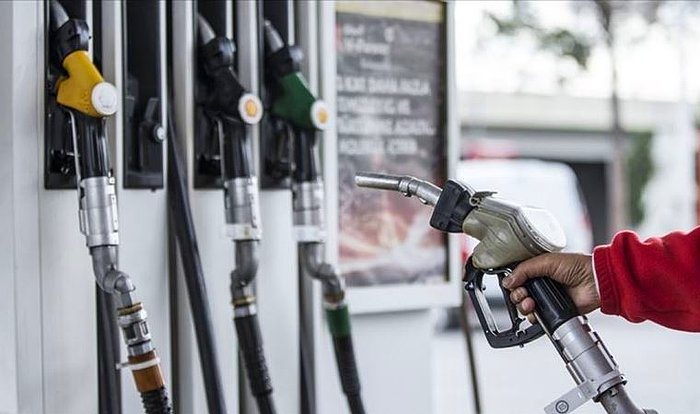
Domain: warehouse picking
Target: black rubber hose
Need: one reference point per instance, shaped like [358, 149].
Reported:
[466, 331]
[347, 369]
[252, 353]
[109, 378]
[340, 329]
[355, 403]
[156, 402]
[178, 200]
[305, 156]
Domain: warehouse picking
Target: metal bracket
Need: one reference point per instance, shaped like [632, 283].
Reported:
[585, 391]
[479, 196]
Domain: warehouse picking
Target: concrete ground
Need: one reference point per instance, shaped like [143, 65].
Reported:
[662, 367]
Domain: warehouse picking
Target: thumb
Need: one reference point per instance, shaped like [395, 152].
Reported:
[539, 266]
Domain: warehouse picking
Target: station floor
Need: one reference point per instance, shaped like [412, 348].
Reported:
[662, 368]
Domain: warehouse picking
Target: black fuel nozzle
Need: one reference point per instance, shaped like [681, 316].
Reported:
[227, 103]
[222, 91]
[67, 35]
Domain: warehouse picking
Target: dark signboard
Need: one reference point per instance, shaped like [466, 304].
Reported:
[391, 77]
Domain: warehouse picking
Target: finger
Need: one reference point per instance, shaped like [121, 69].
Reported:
[532, 319]
[527, 306]
[542, 265]
[517, 295]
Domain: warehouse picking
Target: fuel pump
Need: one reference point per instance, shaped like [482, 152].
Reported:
[87, 100]
[298, 117]
[508, 234]
[227, 112]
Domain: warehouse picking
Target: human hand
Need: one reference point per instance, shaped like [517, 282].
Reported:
[574, 271]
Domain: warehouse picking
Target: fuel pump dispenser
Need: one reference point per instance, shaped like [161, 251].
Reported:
[86, 100]
[298, 117]
[508, 234]
[226, 111]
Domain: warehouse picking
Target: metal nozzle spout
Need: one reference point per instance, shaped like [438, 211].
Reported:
[206, 32]
[409, 186]
[272, 37]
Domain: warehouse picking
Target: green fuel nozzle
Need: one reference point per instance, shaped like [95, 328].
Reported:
[293, 100]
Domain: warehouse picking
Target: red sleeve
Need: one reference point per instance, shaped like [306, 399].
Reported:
[657, 279]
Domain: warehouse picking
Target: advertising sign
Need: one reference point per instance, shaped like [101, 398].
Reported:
[391, 113]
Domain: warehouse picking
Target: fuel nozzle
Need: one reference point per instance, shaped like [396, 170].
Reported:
[83, 89]
[224, 92]
[508, 232]
[293, 100]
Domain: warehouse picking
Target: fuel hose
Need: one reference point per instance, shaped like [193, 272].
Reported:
[178, 200]
[305, 116]
[230, 109]
[339, 327]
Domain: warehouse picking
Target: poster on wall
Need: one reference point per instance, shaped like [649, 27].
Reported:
[391, 112]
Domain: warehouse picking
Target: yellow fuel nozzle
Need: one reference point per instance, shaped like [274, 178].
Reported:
[85, 89]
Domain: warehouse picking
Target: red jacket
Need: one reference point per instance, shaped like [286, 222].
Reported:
[656, 279]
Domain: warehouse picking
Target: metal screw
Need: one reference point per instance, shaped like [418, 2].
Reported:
[562, 406]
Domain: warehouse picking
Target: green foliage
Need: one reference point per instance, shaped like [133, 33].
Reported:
[562, 42]
[569, 44]
[639, 169]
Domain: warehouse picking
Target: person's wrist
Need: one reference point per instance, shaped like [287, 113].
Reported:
[595, 279]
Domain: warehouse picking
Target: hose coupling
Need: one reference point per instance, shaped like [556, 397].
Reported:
[137, 336]
[244, 306]
[588, 361]
[146, 371]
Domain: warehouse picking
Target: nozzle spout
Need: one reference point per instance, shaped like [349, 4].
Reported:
[409, 186]
[58, 15]
[206, 33]
[272, 37]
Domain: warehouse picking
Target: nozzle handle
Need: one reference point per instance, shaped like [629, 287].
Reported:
[497, 337]
[553, 307]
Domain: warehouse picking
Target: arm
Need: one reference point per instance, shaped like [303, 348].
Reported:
[656, 279]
